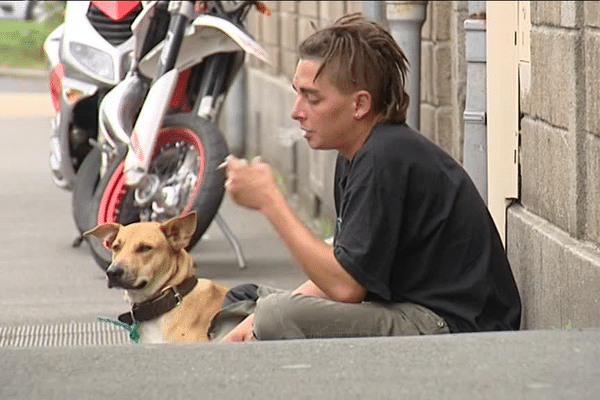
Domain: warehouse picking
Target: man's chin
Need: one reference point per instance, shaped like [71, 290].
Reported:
[314, 144]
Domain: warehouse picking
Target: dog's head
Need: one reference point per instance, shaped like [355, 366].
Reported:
[145, 253]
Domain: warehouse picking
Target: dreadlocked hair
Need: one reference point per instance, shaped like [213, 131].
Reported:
[358, 54]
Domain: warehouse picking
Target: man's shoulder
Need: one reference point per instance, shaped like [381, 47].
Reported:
[394, 143]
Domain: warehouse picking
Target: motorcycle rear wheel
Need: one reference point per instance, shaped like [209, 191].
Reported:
[183, 139]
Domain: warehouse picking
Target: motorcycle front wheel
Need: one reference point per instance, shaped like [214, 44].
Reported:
[184, 177]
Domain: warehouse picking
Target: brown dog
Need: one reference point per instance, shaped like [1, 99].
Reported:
[149, 261]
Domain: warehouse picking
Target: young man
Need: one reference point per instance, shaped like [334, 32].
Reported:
[415, 250]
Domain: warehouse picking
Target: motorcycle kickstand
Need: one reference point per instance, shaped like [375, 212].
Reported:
[233, 240]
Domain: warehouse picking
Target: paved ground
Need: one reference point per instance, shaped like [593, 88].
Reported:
[524, 365]
[45, 281]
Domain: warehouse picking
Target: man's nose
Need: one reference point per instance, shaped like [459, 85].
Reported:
[297, 114]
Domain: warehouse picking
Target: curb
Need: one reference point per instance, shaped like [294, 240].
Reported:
[24, 73]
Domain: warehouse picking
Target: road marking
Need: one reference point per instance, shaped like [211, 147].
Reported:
[19, 105]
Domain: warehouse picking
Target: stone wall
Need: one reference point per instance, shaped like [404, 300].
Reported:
[553, 234]
[444, 74]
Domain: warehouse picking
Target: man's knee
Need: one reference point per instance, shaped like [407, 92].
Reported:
[274, 317]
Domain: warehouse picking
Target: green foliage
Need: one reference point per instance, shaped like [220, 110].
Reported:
[22, 42]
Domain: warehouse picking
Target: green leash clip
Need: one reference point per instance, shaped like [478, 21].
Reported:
[133, 330]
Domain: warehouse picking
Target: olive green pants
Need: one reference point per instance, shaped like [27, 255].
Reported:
[283, 315]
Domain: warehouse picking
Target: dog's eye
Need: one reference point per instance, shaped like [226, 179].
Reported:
[144, 248]
[116, 248]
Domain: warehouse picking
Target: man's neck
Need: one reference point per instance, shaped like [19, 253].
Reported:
[364, 126]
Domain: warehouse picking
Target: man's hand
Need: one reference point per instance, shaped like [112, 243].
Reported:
[250, 185]
[242, 332]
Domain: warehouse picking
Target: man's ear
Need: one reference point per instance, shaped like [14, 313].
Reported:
[363, 103]
[105, 233]
[179, 230]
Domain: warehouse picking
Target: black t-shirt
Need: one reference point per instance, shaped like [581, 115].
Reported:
[412, 227]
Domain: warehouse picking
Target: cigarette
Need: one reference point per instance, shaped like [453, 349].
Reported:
[222, 165]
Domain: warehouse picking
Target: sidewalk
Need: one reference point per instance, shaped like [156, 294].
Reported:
[523, 365]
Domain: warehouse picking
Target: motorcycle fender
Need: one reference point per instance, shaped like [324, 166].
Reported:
[206, 35]
[147, 126]
[52, 46]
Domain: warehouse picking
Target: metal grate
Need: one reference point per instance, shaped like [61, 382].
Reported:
[115, 32]
[71, 334]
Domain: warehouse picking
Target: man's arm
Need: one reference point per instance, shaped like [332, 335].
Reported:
[252, 185]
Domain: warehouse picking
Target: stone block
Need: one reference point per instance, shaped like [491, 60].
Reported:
[549, 173]
[274, 67]
[558, 277]
[254, 24]
[308, 8]
[273, 4]
[592, 219]
[555, 13]
[568, 13]
[427, 24]
[592, 80]
[442, 14]
[289, 60]
[427, 121]
[353, 6]
[329, 11]
[271, 30]
[545, 12]
[442, 74]
[288, 6]
[591, 12]
[553, 78]
[305, 28]
[444, 132]
[289, 31]
[427, 82]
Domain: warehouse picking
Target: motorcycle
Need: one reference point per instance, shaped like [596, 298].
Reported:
[138, 88]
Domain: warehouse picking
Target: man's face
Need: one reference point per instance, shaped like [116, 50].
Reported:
[325, 114]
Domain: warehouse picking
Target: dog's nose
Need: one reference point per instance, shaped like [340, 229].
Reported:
[114, 273]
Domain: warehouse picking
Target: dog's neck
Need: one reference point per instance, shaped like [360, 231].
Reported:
[182, 269]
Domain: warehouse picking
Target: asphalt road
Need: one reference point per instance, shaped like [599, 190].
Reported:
[44, 279]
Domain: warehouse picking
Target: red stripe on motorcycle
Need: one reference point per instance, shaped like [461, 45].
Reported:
[116, 10]
[56, 78]
[137, 149]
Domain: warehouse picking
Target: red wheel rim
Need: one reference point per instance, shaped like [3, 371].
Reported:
[116, 191]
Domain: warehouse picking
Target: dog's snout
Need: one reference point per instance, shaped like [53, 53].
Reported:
[114, 275]
[114, 272]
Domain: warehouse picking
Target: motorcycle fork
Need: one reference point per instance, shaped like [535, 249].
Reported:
[156, 104]
[212, 82]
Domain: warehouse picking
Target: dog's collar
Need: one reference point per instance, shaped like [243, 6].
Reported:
[169, 298]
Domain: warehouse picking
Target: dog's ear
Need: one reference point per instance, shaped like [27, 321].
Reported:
[105, 233]
[179, 230]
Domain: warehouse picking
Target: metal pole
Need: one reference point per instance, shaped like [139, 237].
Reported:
[475, 133]
[375, 10]
[405, 19]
